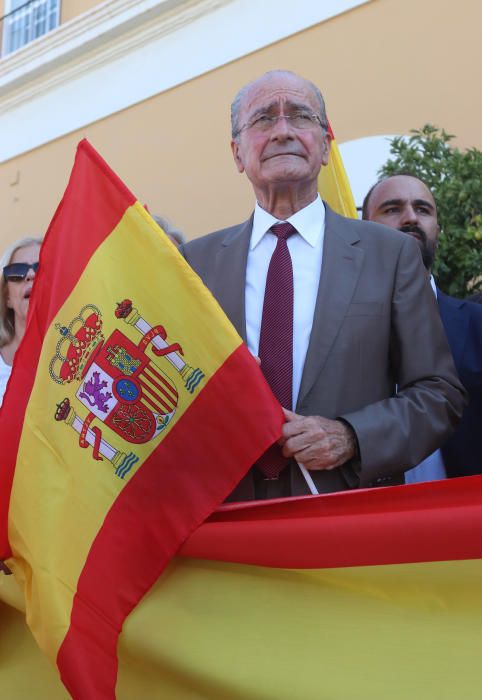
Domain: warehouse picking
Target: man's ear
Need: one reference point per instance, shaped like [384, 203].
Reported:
[326, 148]
[237, 156]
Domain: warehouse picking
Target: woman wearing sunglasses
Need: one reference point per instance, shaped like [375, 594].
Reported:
[19, 264]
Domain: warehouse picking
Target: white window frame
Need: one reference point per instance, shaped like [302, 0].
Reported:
[26, 20]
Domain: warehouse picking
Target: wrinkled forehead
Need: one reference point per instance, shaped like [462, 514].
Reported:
[403, 188]
[287, 90]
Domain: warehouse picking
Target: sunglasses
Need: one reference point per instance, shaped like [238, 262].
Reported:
[16, 272]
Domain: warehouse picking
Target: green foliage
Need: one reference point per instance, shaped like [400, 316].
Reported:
[455, 180]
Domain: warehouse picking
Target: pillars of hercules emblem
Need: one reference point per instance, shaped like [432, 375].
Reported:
[158, 337]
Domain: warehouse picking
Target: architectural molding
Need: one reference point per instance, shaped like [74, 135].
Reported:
[96, 28]
[123, 52]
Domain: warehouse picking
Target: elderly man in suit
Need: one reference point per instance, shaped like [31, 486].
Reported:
[337, 310]
[405, 203]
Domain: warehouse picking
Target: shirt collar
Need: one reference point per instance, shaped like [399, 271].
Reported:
[433, 285]
[309, 222]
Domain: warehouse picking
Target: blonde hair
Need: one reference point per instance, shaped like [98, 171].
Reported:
[7, 319]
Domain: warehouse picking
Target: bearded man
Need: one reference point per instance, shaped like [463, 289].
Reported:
[405, 203]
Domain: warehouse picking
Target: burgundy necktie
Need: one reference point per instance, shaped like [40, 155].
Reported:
[276, 337]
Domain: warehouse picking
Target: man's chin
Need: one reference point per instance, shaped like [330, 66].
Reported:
[285, 168]
[283, 160]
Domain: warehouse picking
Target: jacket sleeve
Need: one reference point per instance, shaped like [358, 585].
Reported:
[396, 433]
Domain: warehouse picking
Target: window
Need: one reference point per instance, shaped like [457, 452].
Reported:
[26, 20]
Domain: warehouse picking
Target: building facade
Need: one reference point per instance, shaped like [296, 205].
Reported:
[150, 82]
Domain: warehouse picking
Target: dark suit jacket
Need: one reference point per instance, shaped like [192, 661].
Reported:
[376, 325]
[462, 321]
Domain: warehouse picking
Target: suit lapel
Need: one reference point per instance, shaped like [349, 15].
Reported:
[341, 266]
[230, 275]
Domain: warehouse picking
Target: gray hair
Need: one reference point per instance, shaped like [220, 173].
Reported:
[7, 318]
[176, 236]
[236, 104]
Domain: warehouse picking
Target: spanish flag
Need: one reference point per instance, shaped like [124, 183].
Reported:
[133, 410]
[334, 185]
[363, 595]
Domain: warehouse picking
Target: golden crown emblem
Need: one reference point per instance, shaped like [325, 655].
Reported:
[77, 344]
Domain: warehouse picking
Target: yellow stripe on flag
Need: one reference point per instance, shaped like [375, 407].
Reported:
[334, 186]
[215, 631]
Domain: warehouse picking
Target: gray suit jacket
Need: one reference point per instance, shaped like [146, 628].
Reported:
[376, 327]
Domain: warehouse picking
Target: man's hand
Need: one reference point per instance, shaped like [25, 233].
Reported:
[316, 442]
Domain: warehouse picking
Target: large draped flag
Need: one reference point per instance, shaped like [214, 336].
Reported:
[334, 185]
[133, 410]
[358, 595]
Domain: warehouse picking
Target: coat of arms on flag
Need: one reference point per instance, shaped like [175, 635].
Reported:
[118, 383]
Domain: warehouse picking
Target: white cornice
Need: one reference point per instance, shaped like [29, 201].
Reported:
[122, 52]
[96, 28]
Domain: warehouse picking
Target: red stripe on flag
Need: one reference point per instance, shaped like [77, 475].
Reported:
[151, 373]
[145, 378]
[434, 521]
[148, 401]
[74, 234]
[191, 471]
[69, 253]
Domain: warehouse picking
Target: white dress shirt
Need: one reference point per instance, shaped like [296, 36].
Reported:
[432, 468]
[306, 250]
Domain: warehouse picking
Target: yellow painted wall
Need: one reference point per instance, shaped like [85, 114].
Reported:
[72, 8]
[385, 67]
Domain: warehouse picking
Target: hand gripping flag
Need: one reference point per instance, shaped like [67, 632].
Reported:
[133, 410]
[334, 185]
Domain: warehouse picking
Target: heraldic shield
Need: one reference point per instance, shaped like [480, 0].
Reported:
[127, 391]
[119, 383]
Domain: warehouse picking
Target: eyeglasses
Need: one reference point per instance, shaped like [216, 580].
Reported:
[16, 272]
[298, 120]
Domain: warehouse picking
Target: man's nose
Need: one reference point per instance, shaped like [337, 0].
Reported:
[409, 215]
[282, 128]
